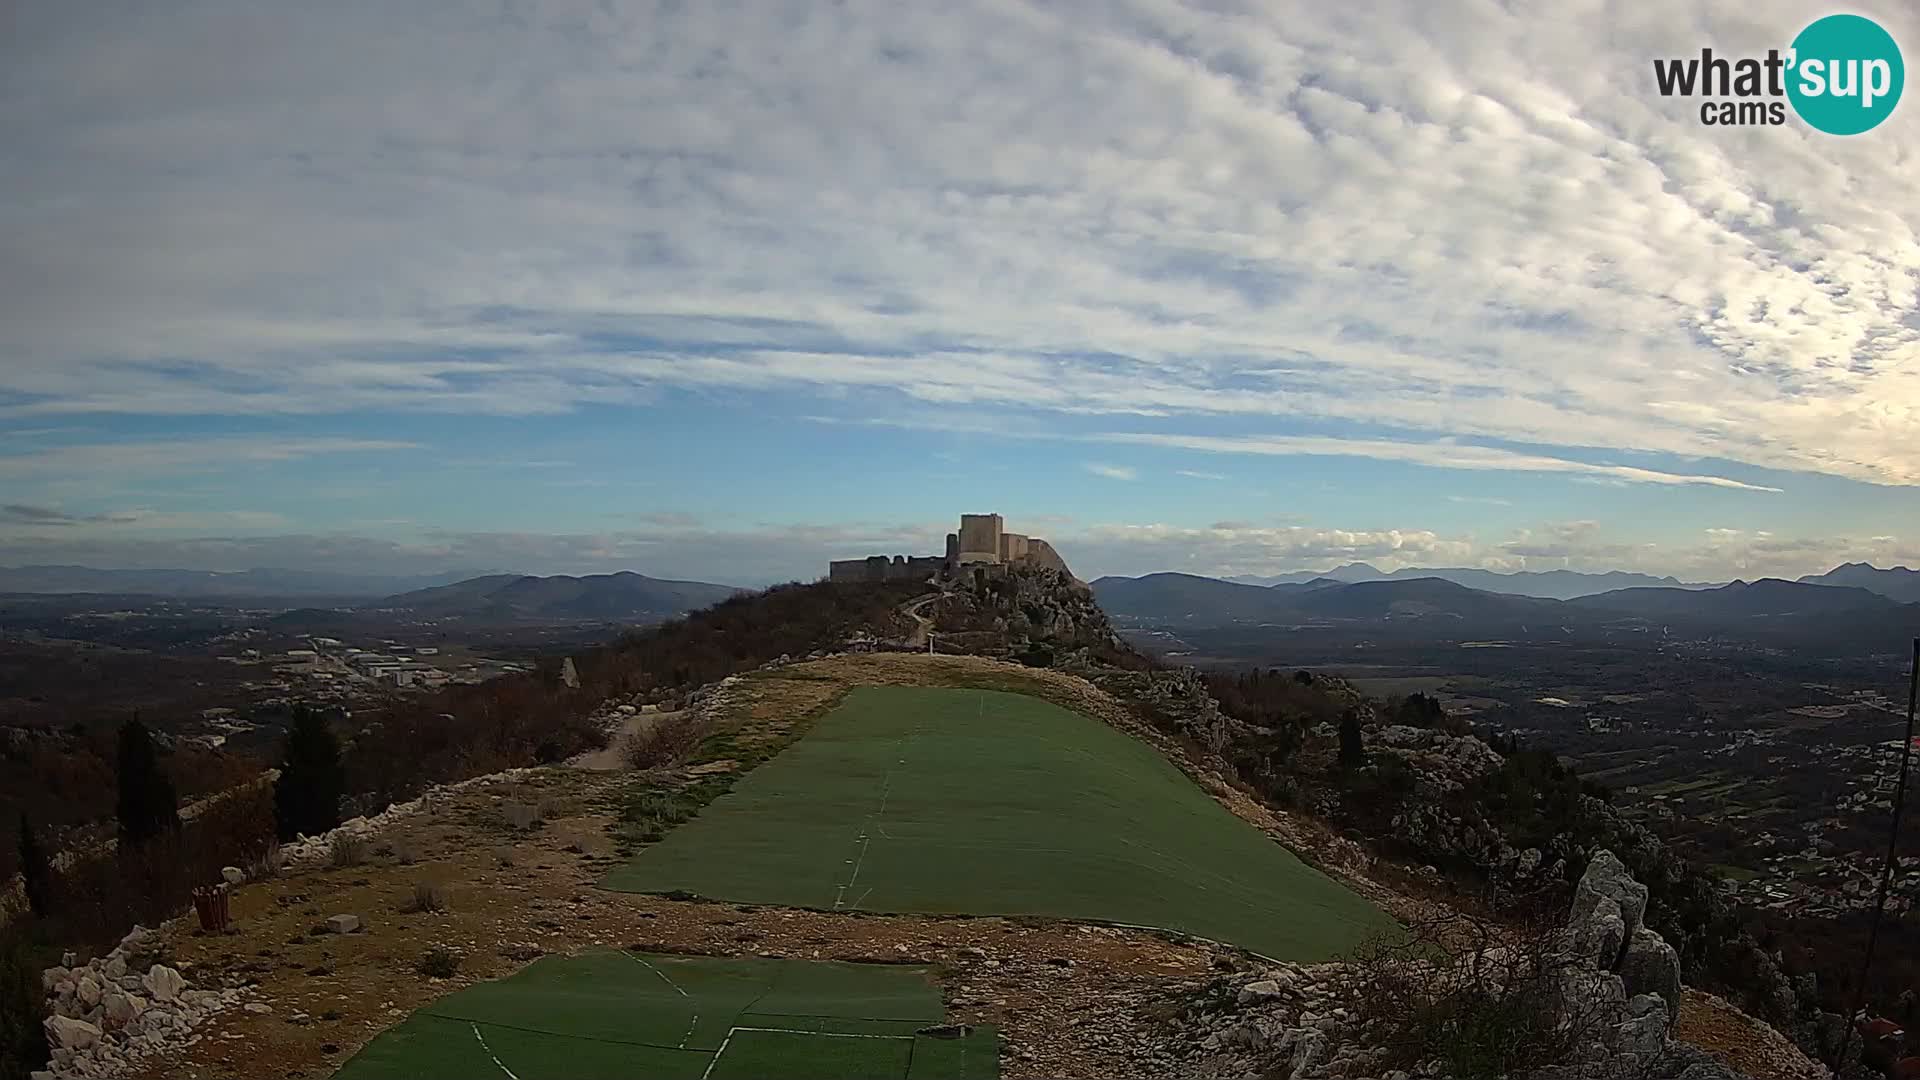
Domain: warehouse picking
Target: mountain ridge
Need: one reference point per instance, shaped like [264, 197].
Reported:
[622, 595]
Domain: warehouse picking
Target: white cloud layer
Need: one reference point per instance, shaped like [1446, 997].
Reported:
[1471, 221]
[679, 546]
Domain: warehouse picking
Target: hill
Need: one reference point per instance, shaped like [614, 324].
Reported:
[1541, 584]
[263, 582]
[1199, 601]
[1897, 583]
[1739, 600]
[625, 595]
[1180, 597]
[1417, 598]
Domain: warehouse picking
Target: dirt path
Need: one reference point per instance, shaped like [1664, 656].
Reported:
[923, 624]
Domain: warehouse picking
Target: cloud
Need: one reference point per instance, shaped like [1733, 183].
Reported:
[1195, 474]
[1443, 454]
[1111, 472]
[33, 519]
[161, 455]
[685, 546]
[1389, 215]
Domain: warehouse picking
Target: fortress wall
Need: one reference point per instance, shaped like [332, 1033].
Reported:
[1041, 553]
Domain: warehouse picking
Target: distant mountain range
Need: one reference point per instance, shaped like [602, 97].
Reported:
[261, 583]
[1548, 584]
[1898, 583]
[1779, 612]
[621, 596]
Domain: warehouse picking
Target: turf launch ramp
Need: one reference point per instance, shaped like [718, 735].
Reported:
[632, 1015]
[915, 800]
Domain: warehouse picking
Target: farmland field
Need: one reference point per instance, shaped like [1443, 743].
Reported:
[988, 803]
[655, 1017]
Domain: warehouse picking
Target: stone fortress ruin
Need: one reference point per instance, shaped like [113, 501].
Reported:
[982, 545]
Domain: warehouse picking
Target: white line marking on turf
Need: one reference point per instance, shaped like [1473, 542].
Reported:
[790, 1031]
[489, 1050]
[695, 1022]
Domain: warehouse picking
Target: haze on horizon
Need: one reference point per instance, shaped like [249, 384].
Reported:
[721, 291]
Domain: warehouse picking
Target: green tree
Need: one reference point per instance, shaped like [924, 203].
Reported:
[36, 870]
[306, 797]
[147, 804]
[1353, 753]
[23, 1009]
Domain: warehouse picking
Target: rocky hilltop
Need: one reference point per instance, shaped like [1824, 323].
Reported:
[1547, 937]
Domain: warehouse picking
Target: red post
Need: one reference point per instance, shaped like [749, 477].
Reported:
[211, 904]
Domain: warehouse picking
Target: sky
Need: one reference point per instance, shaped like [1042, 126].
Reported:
[721, 291]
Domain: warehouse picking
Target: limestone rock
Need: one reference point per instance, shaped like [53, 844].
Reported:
[1644, 1032]
[71, 1034]
[1256, 992]
[122, 1008]
[233, 875]
[88, 990]
[1607, 876]
[163, 983]
[343, 924]
[1651, 966]
[1600, 935]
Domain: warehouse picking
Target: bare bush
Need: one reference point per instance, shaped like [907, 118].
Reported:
[347, 850]
[1483, 1000]
[428, 897]
[438, 962]
[666, 741]
[264, 866]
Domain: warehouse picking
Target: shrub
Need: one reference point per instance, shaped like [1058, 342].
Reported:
[664, 742]
[23, 1009]
[146, 804]
[266, 865]
[1484, 1000]
[306, 797]
[36, 870]
[427, 897]
[347, 850]
[438, 962]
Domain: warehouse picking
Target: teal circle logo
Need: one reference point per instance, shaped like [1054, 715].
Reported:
[1845, 74]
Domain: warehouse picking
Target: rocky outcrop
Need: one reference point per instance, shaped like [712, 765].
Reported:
[1178, 700]
[110, 1013]
[1023, 604]
[1612, 995]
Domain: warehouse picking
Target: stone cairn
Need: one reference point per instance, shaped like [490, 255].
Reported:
[106, 1014]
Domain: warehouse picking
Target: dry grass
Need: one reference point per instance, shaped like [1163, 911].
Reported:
[428, 897]
[348, 850]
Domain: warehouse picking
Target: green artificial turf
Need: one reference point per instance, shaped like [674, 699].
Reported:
[989, 803]
[637, 1016]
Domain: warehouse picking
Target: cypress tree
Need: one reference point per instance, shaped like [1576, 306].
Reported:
[306, 797]
[147, 805]
[1352, 753]
[36, 870]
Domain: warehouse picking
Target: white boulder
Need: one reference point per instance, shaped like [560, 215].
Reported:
[71, 1034]
[164, 983]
